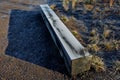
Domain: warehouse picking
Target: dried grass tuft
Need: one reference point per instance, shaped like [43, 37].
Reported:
[97, 63]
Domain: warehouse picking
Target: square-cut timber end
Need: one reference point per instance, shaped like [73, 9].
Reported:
[80, 65]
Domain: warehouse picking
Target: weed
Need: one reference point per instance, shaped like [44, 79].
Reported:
[75, 33]
[94, 39]
[52, 6]
[97, 63]
[93, 47]
[64, 18]
[66, 4]
[106, 33]
[74, 4]
[93, 32]
[89, 7]
[117, 65]
[116, 45]
[108, 46]
[111, 3]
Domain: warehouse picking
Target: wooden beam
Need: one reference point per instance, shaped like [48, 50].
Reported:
[76, 58]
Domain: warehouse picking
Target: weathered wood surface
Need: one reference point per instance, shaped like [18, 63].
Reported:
[75, 56]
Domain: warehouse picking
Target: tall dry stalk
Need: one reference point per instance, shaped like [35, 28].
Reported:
[74, 4]
[66, 4]
[111, 3]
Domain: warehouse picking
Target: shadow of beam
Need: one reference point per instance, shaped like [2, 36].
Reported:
[30, 40]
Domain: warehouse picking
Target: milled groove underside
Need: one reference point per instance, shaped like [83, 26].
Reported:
[71, 49]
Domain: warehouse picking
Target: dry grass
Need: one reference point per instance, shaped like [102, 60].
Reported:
[52, 6]
[89, 7]
[97, 64]
[117, 65]
[93, 32]
[93, 48]
[65, 4]
[64, 18]
[74, 2]
[111, 2]
[106, 33]
[108, 46]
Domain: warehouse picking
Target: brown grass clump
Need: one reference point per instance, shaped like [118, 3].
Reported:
[106, 33]
[64, 18]
[111, 3]
[93, 47]
[97, 64]
[74, 3]
[94, 36]
[89, 7]
[52, 6]
[93, 32]
[66, 4]
[94, 39]
[108, 46]
[116, 45]
[75, 33]
[117, 65]
[111, 45]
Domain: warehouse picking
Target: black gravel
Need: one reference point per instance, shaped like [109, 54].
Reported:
[30, 40]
